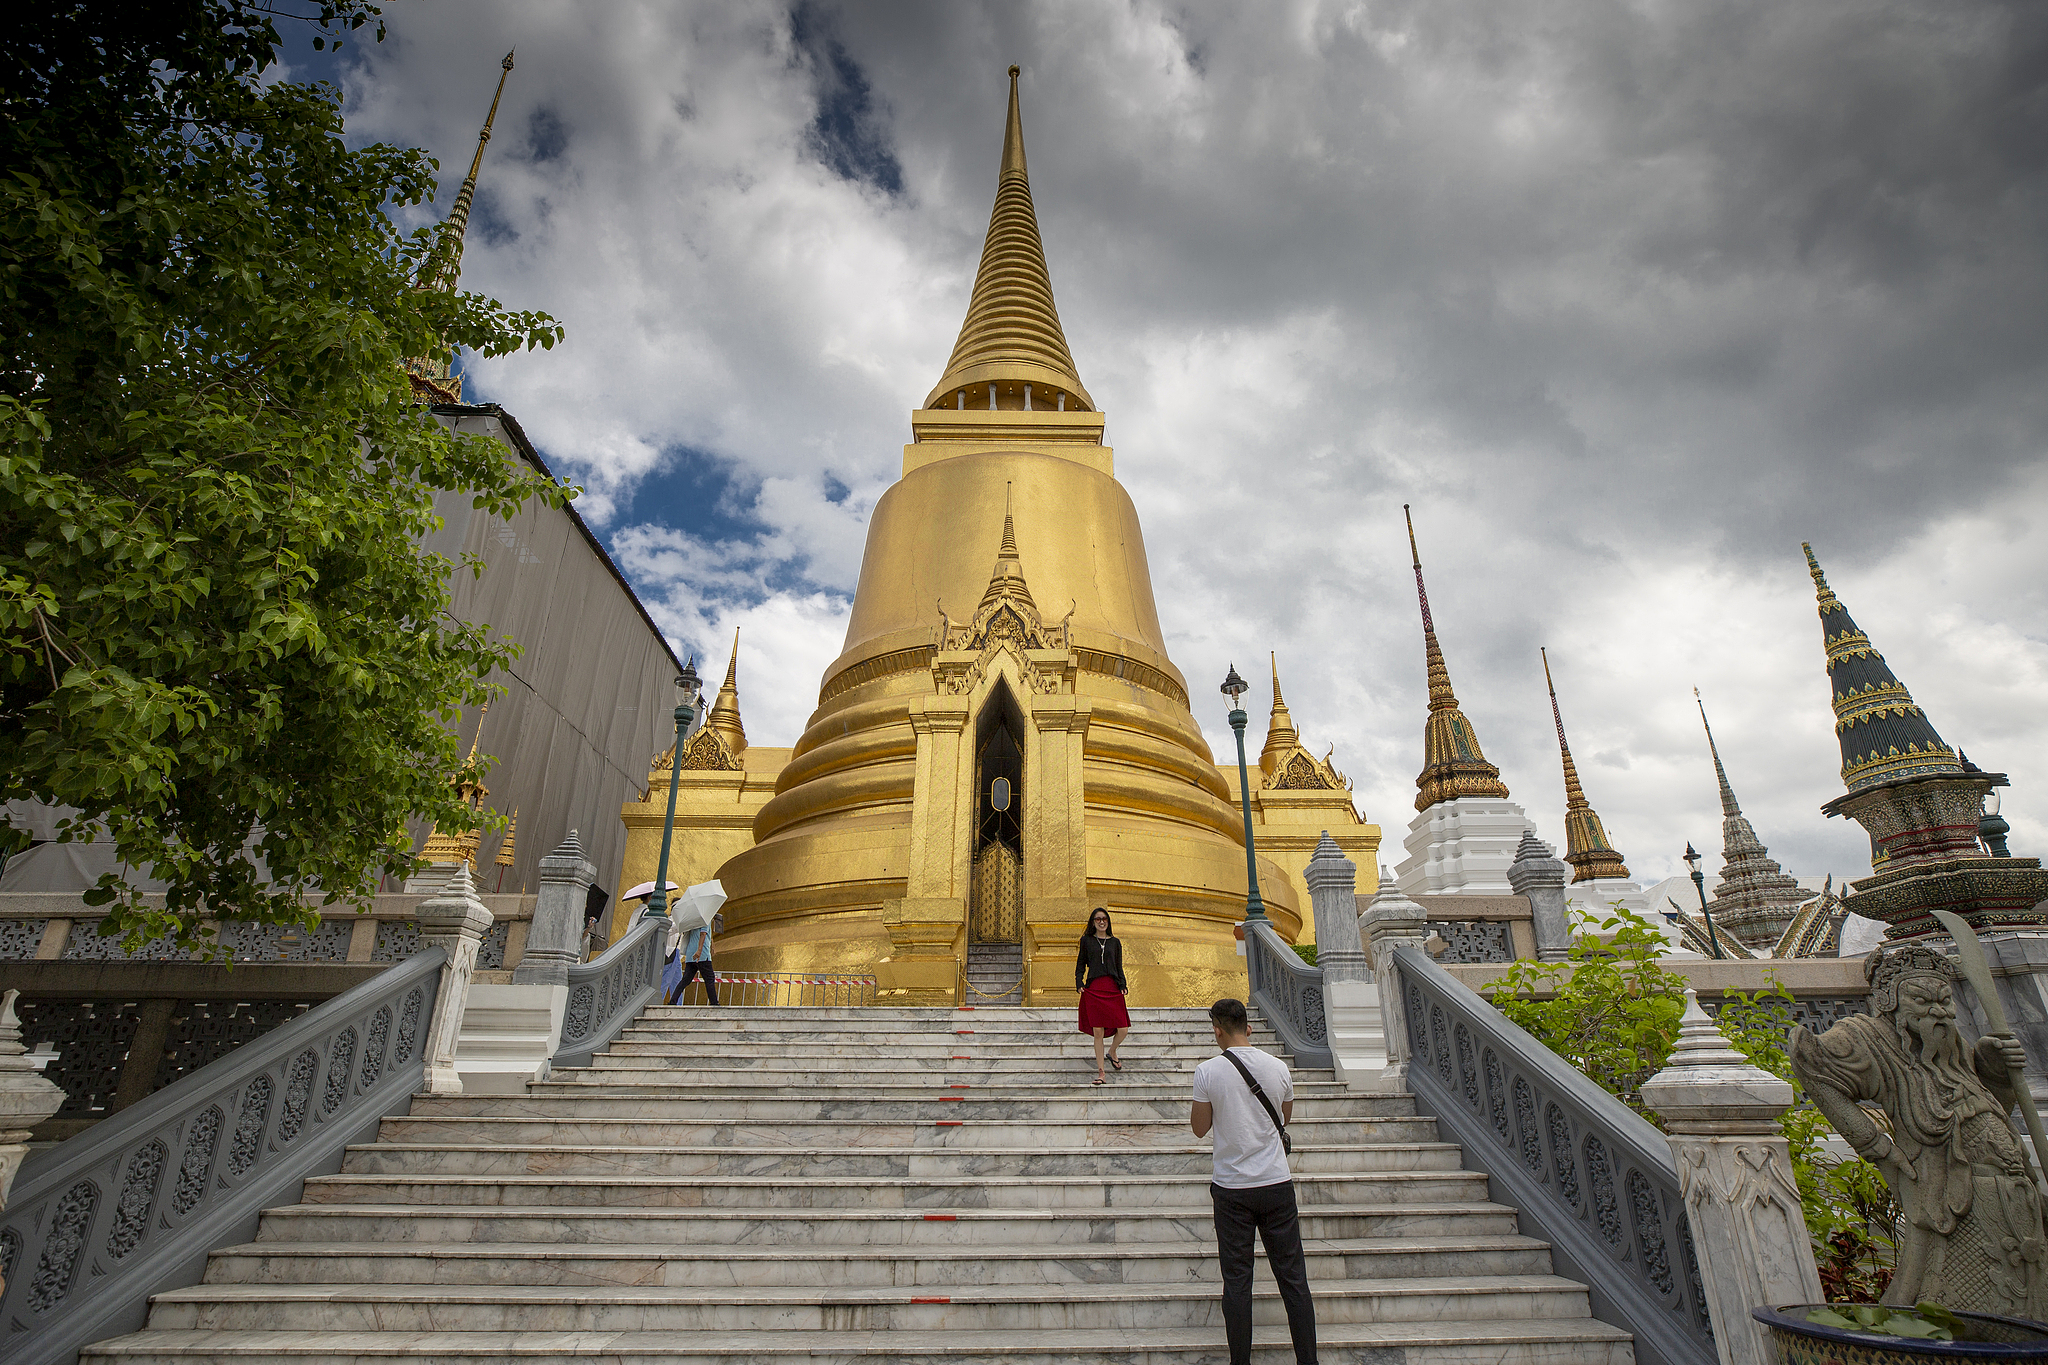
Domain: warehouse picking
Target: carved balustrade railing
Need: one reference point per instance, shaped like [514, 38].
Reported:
[1288, 994]
[786, 990]
[609, 991]
[1589, 1175]
[132, 1207]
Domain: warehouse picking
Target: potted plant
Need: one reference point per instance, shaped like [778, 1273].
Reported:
[1876, 1334]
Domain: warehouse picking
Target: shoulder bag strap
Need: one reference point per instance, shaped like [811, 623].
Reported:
[1264, 1103]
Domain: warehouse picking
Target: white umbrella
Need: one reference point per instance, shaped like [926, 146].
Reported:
[698, 906]
[645, 889]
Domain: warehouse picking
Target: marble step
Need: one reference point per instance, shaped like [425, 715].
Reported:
[833, 1227]
[882, 1065]
[936, 1195]
[1561, 1341]
[711, 1131]
[695, 1264]
[903, 1019]
[975, 1031]
[811, 1308]
[773, 1074]
[1083, 1103]
[873, 1163]
[871, 1053]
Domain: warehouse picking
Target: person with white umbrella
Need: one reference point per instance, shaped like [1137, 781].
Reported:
[671, 965]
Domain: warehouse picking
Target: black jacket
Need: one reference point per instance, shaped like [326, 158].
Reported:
[1099, 957]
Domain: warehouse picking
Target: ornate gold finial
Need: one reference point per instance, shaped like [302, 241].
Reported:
[1012, 335]
[1006, 580]
[1728, 805]
[1008, 549]
[432, 378]
[1824, 594]
[724, 719]
[1281, 736]
[1585, 838]
[507, 847]
[469, 788]
[1452, 763]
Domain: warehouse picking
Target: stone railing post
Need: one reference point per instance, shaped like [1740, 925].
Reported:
[453, 920]
[1538, 873]
[1390, 923]
[555, 939]
[1735, 1177]
[1351, 998]
[26, 1098]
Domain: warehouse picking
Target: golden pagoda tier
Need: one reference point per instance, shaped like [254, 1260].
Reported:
[1003, 743]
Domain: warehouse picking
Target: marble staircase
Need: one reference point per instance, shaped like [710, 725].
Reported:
[825, 1185]
[996, 972]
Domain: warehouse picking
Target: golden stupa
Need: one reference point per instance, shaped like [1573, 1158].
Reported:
[1003, 743]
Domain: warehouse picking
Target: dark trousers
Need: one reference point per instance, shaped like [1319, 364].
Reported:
[1269, 1210]
[693, 970]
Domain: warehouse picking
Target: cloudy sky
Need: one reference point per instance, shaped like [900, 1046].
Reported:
[1626, 298]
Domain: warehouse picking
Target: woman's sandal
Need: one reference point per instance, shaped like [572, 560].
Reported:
[1115, 1064]
[1099, 1081]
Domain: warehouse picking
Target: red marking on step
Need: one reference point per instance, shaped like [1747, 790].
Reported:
[963, 1031]
[964, 1007]
[958, 1085]
[940, 1299]
[947, 1123]
[962, 1057]
[941, 1218]
[944, 1098]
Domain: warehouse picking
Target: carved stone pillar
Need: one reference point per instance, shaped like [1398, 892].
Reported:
[26, 1098]
[1735, 1175]
[1539, 874]
[1056, 904]
[454, 920]
[1351, 998]
[1391, 922]
[554, 942]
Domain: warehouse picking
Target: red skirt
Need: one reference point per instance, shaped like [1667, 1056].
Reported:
[1102, 1007]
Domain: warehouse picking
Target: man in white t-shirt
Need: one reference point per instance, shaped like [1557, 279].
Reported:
[1251, 1187]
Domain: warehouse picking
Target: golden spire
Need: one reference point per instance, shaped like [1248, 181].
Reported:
[1006, 580]
[1585, 839]
[507, 847]
[1281, 736]
[1012, 336]
[1452, 763]
[431, 376]
[470, 790]
[725, 711]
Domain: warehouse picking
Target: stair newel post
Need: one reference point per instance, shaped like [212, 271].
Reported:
[553, 943]
[1390, 923]
[26, 1098]
[1351, 998]
[1735, 1178]
[453, 920]
[1538, 874]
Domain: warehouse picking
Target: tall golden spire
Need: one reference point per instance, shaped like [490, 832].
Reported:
[725, 711]
[1012, 336]
[1585, 839]
[1452, 763]
[431, 376]
[1281, 736]
[1006, 579]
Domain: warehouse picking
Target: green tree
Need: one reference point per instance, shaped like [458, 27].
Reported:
[217, 631]
[1608, 1008]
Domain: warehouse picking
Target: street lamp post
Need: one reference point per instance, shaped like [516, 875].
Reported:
[1233, 688]
[1699, 884]
[687, 687]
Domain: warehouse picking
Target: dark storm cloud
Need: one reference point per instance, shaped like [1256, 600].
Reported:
[1627, 299]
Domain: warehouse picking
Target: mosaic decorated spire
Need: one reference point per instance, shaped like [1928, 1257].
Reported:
[1452, 763]
[432, 378]
[1884, 734]
[1585, 838]
[725, 710]
[1012, 336]
[1755, 899]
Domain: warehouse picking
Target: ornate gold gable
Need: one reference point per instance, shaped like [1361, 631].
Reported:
[1008, 618]
[1286, 764]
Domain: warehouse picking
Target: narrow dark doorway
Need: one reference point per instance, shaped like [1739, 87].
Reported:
[997, 914]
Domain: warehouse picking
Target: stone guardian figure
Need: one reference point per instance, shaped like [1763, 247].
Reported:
[1973, 1236]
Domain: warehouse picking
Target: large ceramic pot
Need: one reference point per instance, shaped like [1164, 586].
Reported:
[1800, 1342]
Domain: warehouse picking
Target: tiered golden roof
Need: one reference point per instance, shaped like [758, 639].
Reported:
[724, 720]
[470, 790]
[1585, 838]
[1012, 336]
[1286, 763]
[432, 377]
[1452, 762]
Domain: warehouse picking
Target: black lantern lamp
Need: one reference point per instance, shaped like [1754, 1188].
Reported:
[1699, 884]
[1235, 687]
[688, 688]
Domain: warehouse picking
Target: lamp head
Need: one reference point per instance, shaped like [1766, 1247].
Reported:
[688, 685]
[1235, 687]
[1692, 857]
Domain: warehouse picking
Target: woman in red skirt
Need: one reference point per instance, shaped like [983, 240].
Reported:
[1099, 977]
